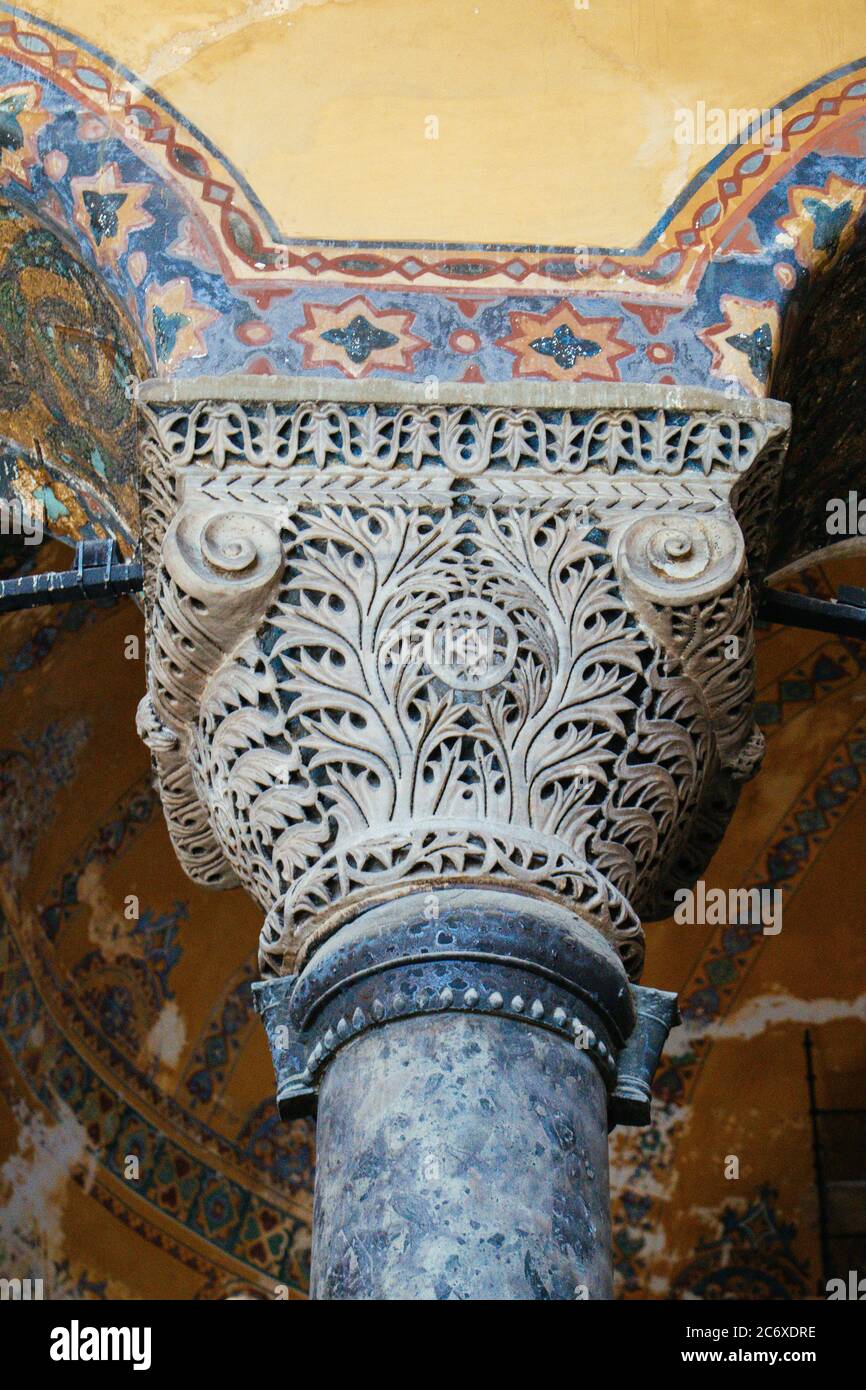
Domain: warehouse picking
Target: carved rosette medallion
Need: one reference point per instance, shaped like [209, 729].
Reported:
[503, 639]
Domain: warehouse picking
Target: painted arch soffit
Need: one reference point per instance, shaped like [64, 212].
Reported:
[179, 239]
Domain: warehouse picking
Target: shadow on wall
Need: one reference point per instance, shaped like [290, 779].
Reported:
[822, 372]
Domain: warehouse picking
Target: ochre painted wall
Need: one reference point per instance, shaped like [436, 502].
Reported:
[556, 122]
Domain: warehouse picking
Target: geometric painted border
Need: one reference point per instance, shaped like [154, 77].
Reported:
[181, 239]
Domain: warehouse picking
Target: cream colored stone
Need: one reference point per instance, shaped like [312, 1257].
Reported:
[502, 639]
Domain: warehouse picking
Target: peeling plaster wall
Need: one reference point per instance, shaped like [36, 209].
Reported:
[34, 1181]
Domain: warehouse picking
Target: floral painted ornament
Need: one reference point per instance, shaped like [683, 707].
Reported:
[564, 346]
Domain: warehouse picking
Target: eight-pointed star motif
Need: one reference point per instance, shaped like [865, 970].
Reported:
[356, 338]
[563, 346]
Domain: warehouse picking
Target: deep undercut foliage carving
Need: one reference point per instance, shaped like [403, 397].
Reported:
[409, 647]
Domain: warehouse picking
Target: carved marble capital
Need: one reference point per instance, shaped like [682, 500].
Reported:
[501, 639]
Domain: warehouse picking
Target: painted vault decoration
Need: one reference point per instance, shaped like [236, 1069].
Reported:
[181, 242]
[180, 236]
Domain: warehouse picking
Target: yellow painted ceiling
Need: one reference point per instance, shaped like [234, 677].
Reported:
[555, 117]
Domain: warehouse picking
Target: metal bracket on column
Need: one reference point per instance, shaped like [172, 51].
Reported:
[844, 615]
[97, 574]
[657, 1012]
[296, 1091]
[467, 952]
